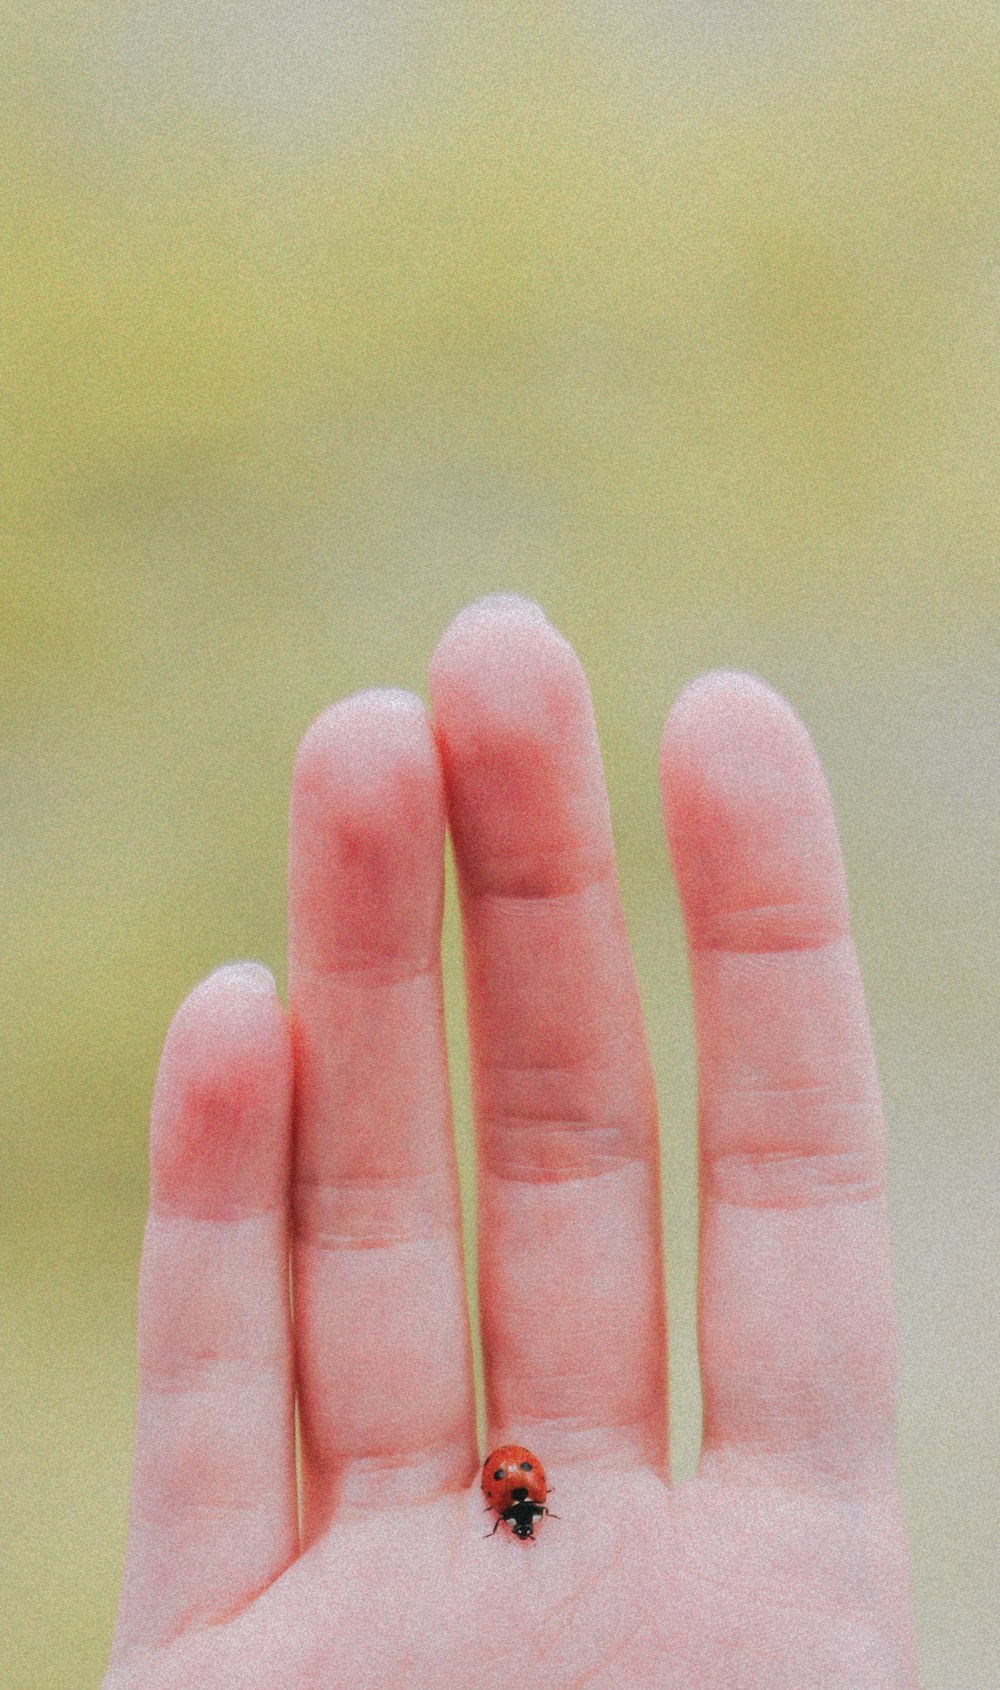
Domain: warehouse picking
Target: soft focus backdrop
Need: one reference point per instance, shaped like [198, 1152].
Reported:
[319, 321]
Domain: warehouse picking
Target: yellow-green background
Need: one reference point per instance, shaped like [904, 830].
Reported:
[319, 321]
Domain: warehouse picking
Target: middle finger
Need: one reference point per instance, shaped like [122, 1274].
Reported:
[571, 1286]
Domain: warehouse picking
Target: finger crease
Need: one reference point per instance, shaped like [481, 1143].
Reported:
[365, 1212]
[792, 1179]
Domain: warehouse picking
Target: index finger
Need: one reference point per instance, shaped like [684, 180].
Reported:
[796, 1325]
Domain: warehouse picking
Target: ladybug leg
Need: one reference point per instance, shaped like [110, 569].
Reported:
[490, 1534]
[550, 1514]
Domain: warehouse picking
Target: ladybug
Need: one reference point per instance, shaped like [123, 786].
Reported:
[515, 1488]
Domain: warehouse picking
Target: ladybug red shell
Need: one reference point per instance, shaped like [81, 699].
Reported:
[515, 1487]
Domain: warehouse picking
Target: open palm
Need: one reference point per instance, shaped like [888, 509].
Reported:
[323, 1138]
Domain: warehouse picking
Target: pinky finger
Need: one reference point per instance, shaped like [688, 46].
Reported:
[213, 1510]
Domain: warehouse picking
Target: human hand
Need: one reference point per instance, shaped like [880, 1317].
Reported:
[782, 1564]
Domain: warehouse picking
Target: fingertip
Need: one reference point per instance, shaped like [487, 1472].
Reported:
[723, 708]
[222, 1098]
[233, 1012]
[734, 738]
[501, 653]
[513, 718]
[243, 976]
[366, 834]
[518, 742]
[360, 735]
[747, 814]
[492, 610]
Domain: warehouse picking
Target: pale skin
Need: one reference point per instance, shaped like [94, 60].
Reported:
[321, 1136]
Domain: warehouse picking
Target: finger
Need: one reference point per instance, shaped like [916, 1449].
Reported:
[571, 1288]
[213, 1512]
[795, 1310]
[381, 1320]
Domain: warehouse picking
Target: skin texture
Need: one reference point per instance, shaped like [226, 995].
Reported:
[322, 1135]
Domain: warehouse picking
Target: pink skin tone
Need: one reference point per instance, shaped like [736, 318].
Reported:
[323, 1136]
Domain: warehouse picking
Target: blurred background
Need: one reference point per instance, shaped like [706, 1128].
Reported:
[320, 321]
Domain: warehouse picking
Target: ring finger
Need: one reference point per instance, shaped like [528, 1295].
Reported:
[384, 1375]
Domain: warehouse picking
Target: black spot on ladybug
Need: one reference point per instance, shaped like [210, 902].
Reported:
[499, 1473]
[525, 1466]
